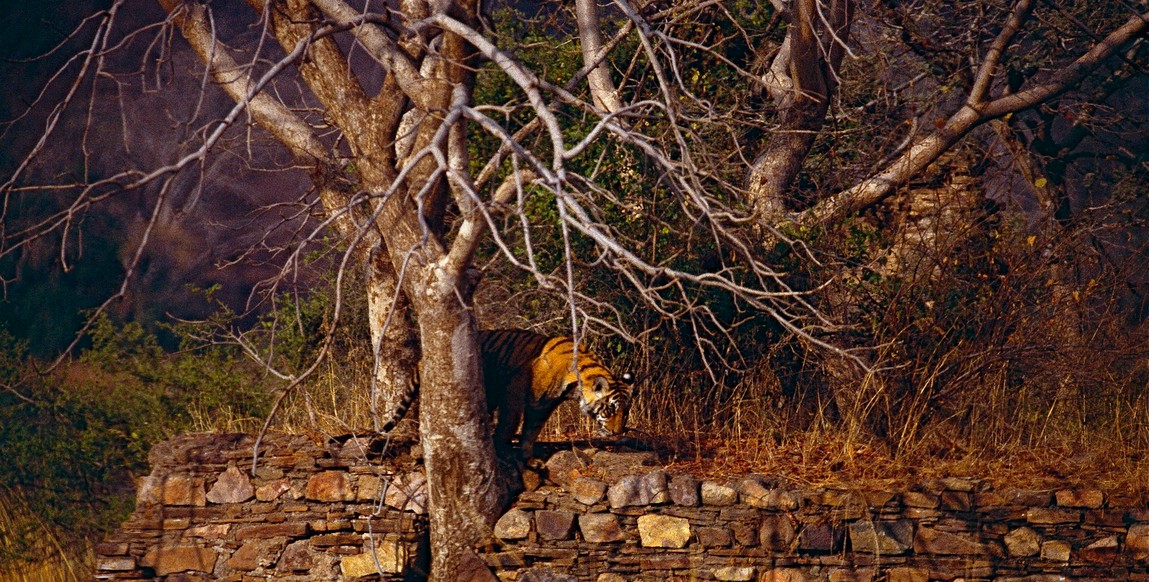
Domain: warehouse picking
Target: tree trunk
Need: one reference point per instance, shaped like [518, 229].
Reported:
[802, 79]
[464, 492]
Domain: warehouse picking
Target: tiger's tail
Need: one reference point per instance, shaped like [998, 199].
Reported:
[405, 402]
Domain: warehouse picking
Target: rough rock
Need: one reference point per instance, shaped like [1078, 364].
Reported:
[663, 531]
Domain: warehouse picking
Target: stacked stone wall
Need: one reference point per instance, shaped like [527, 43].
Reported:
[354, 510]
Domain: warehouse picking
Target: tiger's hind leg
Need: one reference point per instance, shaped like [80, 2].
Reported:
[510, 413]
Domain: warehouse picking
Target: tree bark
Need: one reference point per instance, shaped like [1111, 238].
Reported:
[802, 79]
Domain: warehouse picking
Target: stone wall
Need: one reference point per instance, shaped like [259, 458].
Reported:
[354, 510]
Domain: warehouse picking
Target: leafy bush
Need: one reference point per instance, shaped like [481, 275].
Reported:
[74, 439]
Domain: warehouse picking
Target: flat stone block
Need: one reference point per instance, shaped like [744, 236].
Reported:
[663, 531]
[389, 557]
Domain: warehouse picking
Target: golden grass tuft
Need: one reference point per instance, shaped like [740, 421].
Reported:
[30, 549]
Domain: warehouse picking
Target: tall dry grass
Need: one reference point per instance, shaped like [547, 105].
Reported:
[31, 551]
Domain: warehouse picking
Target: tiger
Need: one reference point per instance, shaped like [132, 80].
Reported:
[526, 376]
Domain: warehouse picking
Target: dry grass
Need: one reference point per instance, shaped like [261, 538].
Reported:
[44, 559]
[754, 429]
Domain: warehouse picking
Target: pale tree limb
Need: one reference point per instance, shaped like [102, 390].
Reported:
[602, 87]
[973, 113]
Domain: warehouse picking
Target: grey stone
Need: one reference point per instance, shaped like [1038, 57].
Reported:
[1023, 542]
[586, 491]
[554, 525]
[1137, 541]
[756, 494]
[231, 487]
[777, 533]
[934, 541]
[600, 528]
[684, 490]
[513, 525]
[648, 489]
[1055, 551]
[714, 494]
[735, 573]
[887, 538]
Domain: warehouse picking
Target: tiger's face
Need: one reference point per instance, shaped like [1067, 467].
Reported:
[607, 401]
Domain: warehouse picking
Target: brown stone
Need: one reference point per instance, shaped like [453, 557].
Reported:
[1102, 551]
[119, 564]
[513, 525]
[852, 575]
[329, 486]
[408, 493]
[782, 575]
[271, 530]
[1137, 541]
[183, 490]
[1051, 516]
[903, 574]
[172, 559]
[600, 528]
[933, 541]
[554, 525]
[256, 554]
[564, 466]
[586, 491]
[390, 556]
[367, 488]
[214, 531]
[296, 557]
[822, 538]
[1023, 542]
[1055, 551]
[756, 494]
[232, 486]
[636, 490]
[713, 537]
[335, 539]
[1083, 498]
[271, 490]
[777, 533]
[956, 501]
[735, 573]
[663, 531]
[715, 494]
[920, 500]
[664, 562]
[684, 490]
[885, 538]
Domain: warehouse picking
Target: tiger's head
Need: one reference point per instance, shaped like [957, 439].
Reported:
[606, 399]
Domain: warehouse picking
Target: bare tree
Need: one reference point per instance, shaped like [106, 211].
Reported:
[375, 103]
